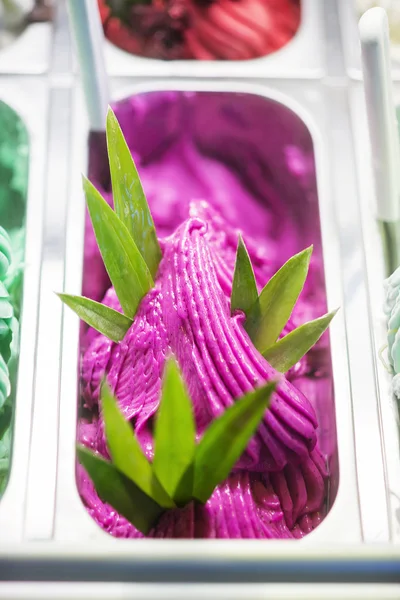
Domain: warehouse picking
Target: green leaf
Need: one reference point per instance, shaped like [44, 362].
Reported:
[289, 350]
[226, 439]
[107, 321]
[270, 313]
[126, 452]
[118, 491]
[244, 288]
[174, 438]
[129, 200]
[125, 265]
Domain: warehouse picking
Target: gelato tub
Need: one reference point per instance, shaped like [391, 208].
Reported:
[14, 159]
[70, 517]
[222, 38]
[204, 163]
[22, 154]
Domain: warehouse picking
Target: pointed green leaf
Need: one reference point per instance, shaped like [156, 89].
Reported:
[285, 353]
[270, 313]
[126, 452]
[118, 491]
[125, 265]
[129, 200]
[174, 438]
[107, 321]
[244, 288]
[226, 439]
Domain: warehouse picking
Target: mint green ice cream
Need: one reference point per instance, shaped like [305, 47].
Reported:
[13, 193]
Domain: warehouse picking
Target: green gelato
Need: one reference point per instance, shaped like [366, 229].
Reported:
[13, 192]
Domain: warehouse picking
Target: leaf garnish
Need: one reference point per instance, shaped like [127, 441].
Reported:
[286, 352]
[174, 437]
[226, 439]
[267, 317]
[129, 200]
[120, 492]
[107, 321]
[244, 288]
[194, 471]
[126, 452]
[125, 265]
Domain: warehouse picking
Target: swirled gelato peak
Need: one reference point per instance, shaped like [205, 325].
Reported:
[276, 486]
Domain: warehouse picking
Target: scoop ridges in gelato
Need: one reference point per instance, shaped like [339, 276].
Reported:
[201, 29]
[278, 488]
[13, 191]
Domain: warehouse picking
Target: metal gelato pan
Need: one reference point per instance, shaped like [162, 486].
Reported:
[359, 512]
[302, 56]
[23, 212]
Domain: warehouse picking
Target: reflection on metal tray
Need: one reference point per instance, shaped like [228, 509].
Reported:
[303, 56]
[359, 513]
[387, 407]
[13, 92]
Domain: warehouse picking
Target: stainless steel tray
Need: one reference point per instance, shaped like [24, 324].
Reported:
[46, 534]
[13, 92]
[302, 57]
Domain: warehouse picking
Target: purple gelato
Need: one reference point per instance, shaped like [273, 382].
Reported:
[213, 165]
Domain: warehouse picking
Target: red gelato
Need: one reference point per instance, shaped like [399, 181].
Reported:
[200, 29]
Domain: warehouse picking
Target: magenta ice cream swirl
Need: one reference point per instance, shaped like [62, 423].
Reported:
[277, 488]
[242, 166]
